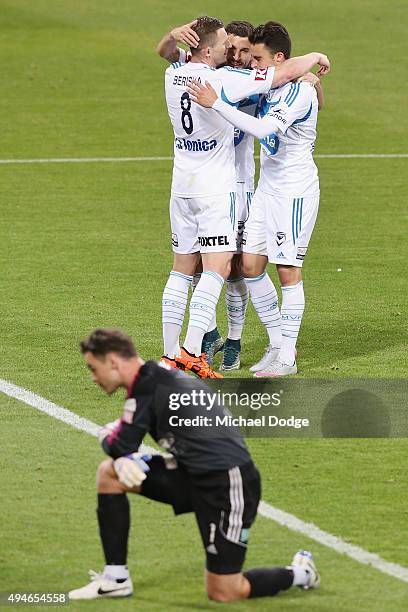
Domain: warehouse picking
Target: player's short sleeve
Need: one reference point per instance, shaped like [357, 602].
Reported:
[133, 426]
[294, 106]
[240, 83]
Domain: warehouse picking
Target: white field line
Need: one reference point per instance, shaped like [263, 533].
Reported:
[327, 539]
[275, 514]
[89, 160]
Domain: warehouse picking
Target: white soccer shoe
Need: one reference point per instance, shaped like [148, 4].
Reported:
[102, 586]
[270, 355]
[277, 368]
[304, 560]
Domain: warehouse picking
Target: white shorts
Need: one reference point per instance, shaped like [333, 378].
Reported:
[280, 227]
[206, 224]
[244, 202]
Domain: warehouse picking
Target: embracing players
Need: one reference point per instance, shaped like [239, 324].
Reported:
[202, 205]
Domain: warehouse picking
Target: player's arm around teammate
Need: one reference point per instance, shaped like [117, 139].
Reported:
[206, 96]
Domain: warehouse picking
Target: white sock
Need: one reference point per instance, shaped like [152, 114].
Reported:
[116, 572]
[213, 322]
[202, 309]
[300, 576]
[293, 305]
[236, 298]
[265, 300]
[174, 302]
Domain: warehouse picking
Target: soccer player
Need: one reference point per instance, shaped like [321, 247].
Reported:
[214, 477]
[202, 203]
[286, 201]
[238, 56]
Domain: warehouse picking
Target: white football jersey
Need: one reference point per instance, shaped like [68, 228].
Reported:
[204, 156]
[244, 143]
[287, 165]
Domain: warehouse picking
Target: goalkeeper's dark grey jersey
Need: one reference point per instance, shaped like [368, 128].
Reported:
[172, 407]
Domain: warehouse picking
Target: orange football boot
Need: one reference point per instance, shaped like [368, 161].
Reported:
[197, 365]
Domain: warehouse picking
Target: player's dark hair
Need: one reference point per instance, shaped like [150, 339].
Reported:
[274, 36]
[243, 29]
[106, 340]
[206, 28]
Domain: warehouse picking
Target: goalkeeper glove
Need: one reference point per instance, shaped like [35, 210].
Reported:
[131, 470]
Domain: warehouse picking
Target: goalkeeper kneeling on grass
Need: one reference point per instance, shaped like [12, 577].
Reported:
[212, 476]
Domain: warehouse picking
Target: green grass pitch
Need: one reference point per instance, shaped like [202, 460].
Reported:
[84, 245]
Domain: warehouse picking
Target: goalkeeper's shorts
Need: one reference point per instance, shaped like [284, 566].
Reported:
[224, 502]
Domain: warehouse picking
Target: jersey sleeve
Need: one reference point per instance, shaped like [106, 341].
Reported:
[133, 426]
[278, 118]
[238, 83]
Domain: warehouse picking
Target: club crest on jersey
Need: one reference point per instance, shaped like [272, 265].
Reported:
[129, 410]
[261, 74]
[195, 145]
